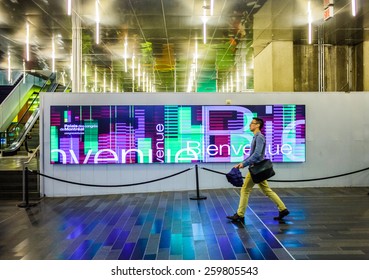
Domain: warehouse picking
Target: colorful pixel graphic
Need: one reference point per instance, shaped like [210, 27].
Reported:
[172, 133]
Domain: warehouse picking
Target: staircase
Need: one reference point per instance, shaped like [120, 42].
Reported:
[11, 186]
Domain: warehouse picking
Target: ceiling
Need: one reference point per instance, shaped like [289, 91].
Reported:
[151, 44]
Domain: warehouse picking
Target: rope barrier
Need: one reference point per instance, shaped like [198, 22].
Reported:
[301, 180]
[183, 171]
[113, 186]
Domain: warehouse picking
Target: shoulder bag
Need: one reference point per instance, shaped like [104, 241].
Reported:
[261, 171]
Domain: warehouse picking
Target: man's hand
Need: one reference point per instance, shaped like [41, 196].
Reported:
[240, 165]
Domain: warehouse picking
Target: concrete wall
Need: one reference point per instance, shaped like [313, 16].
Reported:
[273, 68]
[306, 68]
[366, 65]
[263, 70]
[337, 131]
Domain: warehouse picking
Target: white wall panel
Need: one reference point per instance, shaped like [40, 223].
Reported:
[337, 141]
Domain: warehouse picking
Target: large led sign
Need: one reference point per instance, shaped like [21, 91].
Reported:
[127, 134]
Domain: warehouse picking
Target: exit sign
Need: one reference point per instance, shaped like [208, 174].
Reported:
[328, 12]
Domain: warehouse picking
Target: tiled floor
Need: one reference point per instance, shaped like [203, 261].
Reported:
[325, 223]
[16, 162]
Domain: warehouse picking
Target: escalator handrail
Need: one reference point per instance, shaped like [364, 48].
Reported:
[15, 86]
[18, 79]
[23, 133]
[12, 128]
[25, 113]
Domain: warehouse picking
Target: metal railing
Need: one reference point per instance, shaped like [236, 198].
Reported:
[25, 183]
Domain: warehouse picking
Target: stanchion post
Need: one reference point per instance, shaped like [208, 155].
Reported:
[24, 183]
[198, 197]
[26, 204]
[27, 187]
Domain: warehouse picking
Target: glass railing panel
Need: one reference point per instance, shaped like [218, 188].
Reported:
[6, 80]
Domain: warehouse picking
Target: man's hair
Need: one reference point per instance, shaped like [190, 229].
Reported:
[259, 121]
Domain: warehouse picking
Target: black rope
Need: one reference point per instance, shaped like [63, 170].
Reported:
[114, 186]
[301, 180]
[214, 171]
[183, 171]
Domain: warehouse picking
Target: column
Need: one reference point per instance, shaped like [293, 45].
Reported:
[273, 68]
[366, 66]
[76, 47]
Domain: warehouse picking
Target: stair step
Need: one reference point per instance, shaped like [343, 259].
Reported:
[19, 196]
[11, 186]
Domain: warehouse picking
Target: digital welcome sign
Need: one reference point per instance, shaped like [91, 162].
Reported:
[134, 134]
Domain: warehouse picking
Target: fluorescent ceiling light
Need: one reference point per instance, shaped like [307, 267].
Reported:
[353, 6]
[309, 24]
[27, 41]
[69, 7]
[97, 19]
[53, 54]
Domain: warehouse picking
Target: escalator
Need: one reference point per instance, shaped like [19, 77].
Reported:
[22, 134]
[19, 132]
[19, 121]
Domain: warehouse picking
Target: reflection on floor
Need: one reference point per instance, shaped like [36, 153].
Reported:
[325, 223]
[15, 162]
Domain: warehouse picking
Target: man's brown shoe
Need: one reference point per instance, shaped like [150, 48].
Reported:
[236, 218]
[282, 214]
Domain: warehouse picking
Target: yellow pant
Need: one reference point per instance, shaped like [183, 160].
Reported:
[245, 192]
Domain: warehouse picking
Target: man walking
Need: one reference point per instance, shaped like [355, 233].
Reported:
[256, 154]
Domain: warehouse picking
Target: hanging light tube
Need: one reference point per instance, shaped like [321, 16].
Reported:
[104, 81]
[97, 19]
[143, 81]
[204, 19]
[133, 72]
[196, 55]
[353, 6]
[189, 85]
[85, 77]
[153, 86]
[69, 7]
[95, 78]
[125, 54]
[71, 67]
[27, 41]
[53, 54]
[147, 83]
[24, 72]
[63, 78]
[133, 67]
[231, 82]
[139, 73]
[211, 7]
[111, 80]
[245, 75]
[204, 31]
[237, 81]
[310, 39]
[9, 68]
